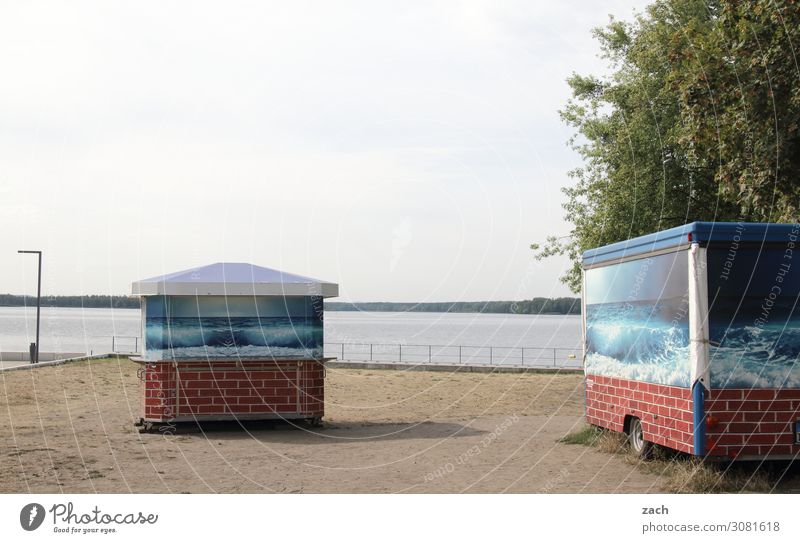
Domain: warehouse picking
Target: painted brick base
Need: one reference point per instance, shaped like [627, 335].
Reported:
[665, 411]
[757, 423]
[203, 390]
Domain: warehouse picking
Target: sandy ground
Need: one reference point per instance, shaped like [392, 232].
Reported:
[70, 428]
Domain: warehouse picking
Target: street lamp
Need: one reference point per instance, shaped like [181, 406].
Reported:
[35, 351]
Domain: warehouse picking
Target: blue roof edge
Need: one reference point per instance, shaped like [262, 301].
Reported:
[701, 232]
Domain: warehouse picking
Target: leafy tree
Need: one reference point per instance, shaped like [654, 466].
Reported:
[698, 120]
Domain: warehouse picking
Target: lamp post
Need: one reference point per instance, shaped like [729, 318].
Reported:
[35, 353]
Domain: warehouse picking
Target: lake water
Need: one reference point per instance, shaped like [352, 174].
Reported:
[452, 337]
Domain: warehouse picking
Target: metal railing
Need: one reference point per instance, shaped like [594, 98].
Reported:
[403, 353]
[119, 344]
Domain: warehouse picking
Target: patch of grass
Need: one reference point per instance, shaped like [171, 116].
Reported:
[588, 435]
[95, 474]
[683, 473]
[612, 442]
[599, 438]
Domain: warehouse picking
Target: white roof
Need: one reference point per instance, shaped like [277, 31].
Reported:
[233, 279]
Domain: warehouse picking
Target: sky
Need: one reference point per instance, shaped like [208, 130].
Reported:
[409, 151]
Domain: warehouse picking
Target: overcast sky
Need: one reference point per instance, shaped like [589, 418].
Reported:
[410, 151]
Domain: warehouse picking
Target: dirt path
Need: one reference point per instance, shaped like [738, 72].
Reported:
[70, 429]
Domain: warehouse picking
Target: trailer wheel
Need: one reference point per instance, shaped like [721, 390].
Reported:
[640, 447]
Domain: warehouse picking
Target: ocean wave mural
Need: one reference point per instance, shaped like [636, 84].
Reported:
[747, 356]
[237, 327]
[637, 324]
[754, 319]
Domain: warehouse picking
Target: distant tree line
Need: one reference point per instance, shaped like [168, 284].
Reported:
[94, 300]
[535, 306]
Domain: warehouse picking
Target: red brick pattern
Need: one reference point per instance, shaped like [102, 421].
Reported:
[665, 411]
[187, 389]
[158, 392]
[752, 422]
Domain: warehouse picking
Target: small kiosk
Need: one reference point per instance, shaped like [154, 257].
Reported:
[232, 341]
[692, 339]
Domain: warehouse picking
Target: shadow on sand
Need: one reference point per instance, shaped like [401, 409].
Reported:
[301, 432]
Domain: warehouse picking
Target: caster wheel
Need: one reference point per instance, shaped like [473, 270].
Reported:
[145, 427]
